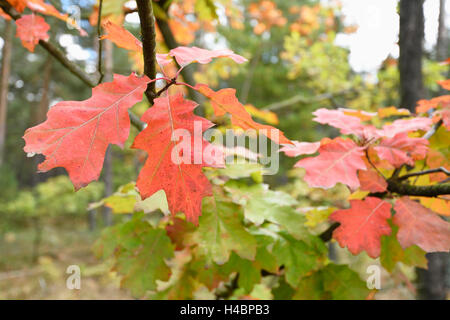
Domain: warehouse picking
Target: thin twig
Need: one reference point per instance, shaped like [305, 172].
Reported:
[421, 173]
[100, 42]
[373, 165]
[433, 130]
[69, 65]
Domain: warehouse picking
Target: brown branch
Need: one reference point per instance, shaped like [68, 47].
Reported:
[69, 65]
[422, 191]
[421, 173]
[100, 43]
[171, 43]
[328, 234]
[147, 19]
[396, 186]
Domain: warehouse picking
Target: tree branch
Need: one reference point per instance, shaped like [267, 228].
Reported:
[421, 173]
[69, 65]
[171, 43]
[328, 234]
[147, 19]
[301, 98]
[422, 191]
[100, 43]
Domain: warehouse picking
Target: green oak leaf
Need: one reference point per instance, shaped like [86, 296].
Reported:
[140, 253]
[298, 257]
[392, 252]
[262, 204]
[333, 282]
[248, 273]
[221, 231]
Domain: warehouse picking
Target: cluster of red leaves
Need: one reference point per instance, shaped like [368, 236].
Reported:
[33, 28]
[356, 161]
[76, 134]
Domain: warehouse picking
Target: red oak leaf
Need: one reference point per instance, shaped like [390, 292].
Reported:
[300, 148]
[347, 121]
[121, 37]
[338, 161]
[170, 166]
[371, 181]
[186, 55]
[407, 125]
[420, 226]
[48, 9]
[225, 101]
[363, 225]
[76, 133]
[402, 149]
[30, 29]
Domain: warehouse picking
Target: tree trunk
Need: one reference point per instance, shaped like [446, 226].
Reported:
[431, 282]
[38, 115]
[441, 45]
[411, 42]
[107, 167]
[6, 68]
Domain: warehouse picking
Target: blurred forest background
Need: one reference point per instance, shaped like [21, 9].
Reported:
[295, 66]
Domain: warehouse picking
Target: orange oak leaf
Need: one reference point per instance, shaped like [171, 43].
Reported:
[19, 5]
[445, 84]
[175, 167]
[420, 226]
[121, 37]
[439, 205]
[225, 101]
[76, 134]
[338, 161]
[436, 159]
[363, 225]
[402, 149]
[435, 103]
[187, 55]
[371, 181]
[30, 29]
[4, 15]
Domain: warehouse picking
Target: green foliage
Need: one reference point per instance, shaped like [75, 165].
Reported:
[251, 242]
[139, 251]
[333, 282]
[51, 198]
